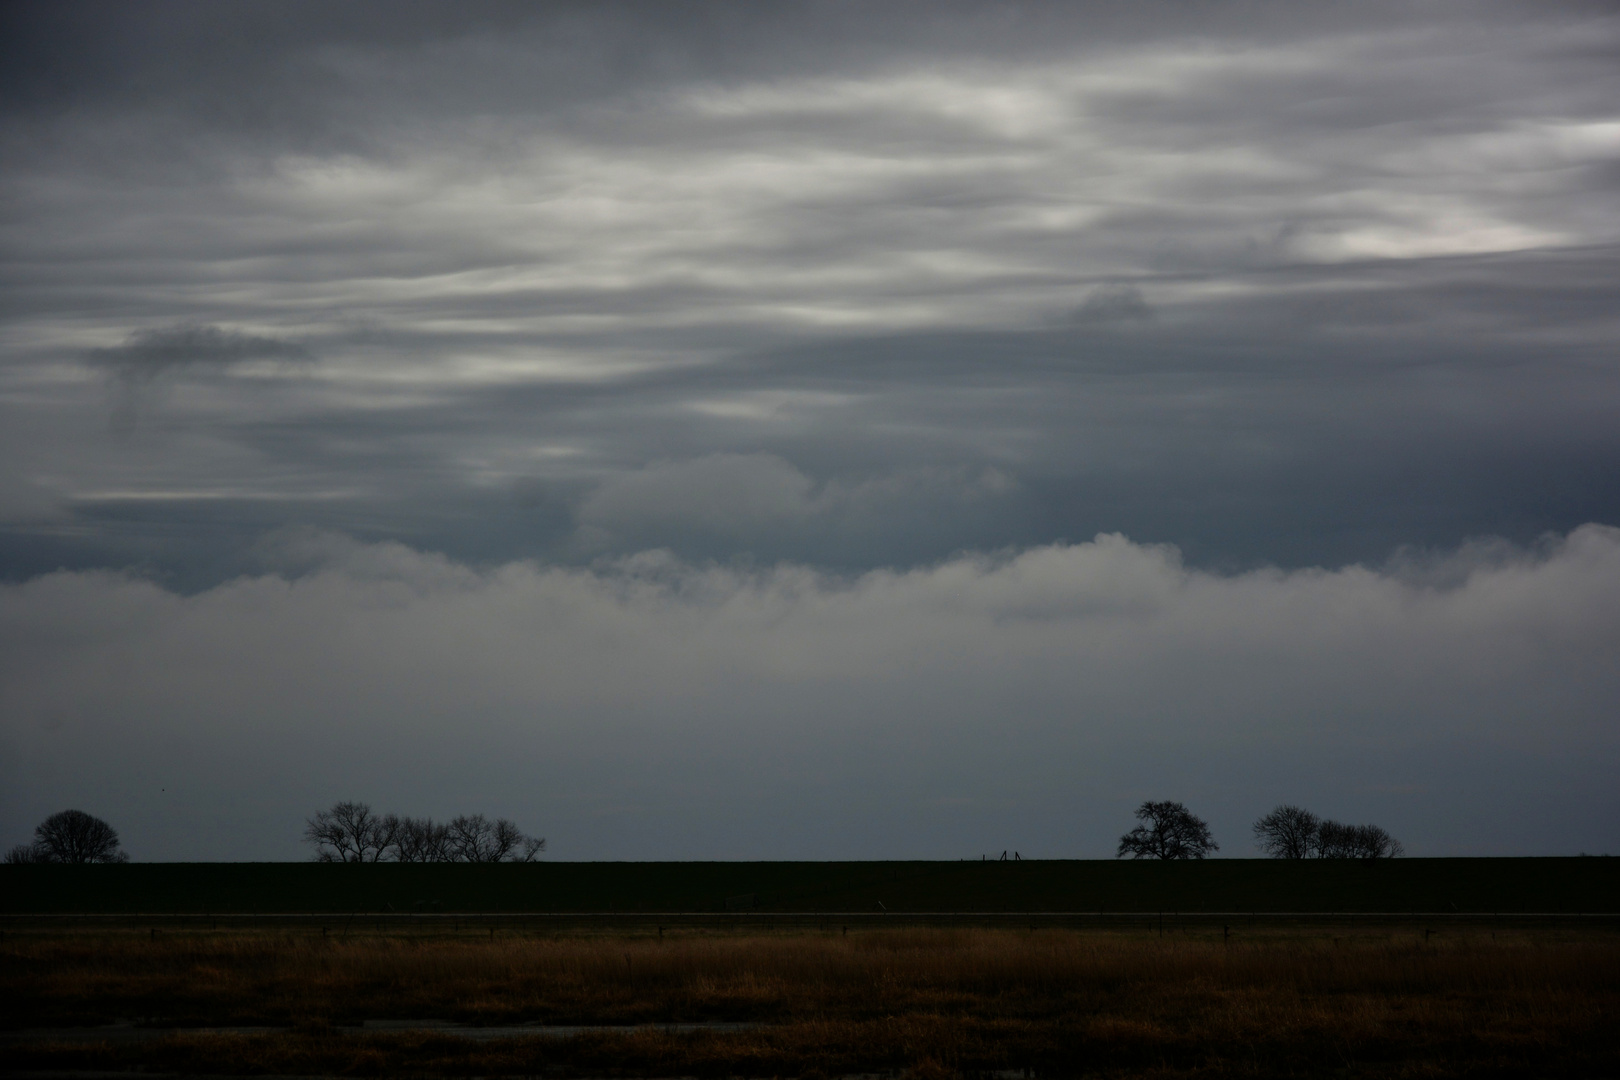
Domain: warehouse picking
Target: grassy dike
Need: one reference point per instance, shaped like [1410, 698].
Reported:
[1561, 885]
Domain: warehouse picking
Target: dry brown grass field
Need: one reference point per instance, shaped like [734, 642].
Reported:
[1322, 1001]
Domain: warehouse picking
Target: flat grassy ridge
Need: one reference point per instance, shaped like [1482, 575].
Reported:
[1553, 885]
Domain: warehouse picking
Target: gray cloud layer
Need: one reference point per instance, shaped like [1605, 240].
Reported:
[658, 709]
[848, 288]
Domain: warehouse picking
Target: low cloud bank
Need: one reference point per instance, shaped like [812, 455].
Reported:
[652, 708]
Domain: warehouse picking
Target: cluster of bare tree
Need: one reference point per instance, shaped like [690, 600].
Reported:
[1289, 832]
[350, 832]
[71, 836]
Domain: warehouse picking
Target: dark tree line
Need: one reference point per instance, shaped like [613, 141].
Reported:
[1290, 832]
[349, 832]
[71, 836]
[1168, 830]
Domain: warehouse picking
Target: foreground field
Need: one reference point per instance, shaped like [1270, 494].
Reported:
[1391, 1002]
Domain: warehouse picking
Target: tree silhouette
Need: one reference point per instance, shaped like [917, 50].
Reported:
[1288, 832]
[1336, 841]
[71, 836]
[419, 840]
[349, 833]
[477, 839]
[1168, 831]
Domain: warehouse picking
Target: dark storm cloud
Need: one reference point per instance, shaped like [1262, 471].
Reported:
[837, 286]
[148, 353]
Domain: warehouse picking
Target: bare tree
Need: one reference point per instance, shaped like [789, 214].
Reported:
[419, 840]
[71, 836]
[476, 839]
[1336, 841]
[1168, 831]
[1288, 832]
[350, 833]
[1378, 844]
[469, 839]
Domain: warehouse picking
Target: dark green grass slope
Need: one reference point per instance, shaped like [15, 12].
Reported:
[1402, 885]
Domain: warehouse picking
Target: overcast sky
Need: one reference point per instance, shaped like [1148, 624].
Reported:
[835, 430]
